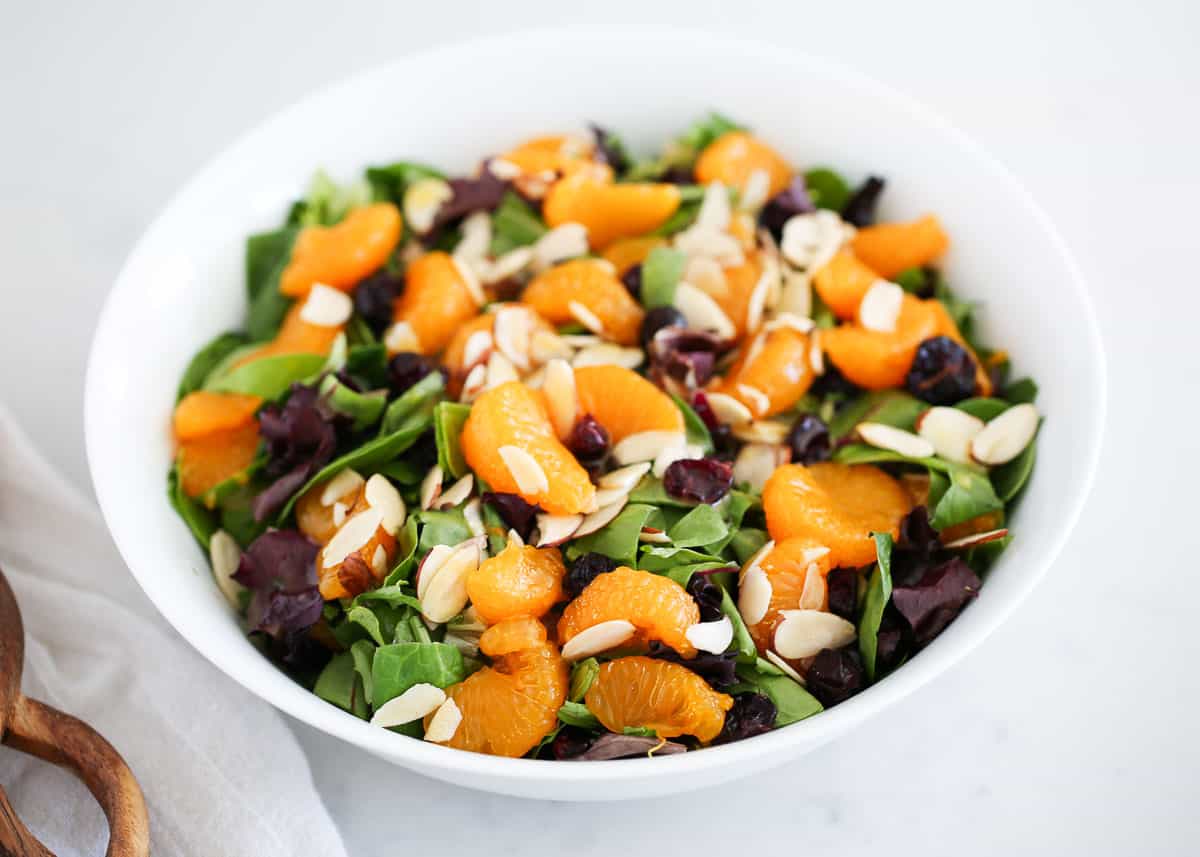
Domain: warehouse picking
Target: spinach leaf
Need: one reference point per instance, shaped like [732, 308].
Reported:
[514, 224]
[237, 515]
[983, 408]
[365, 618]
[705, 131]
[340, 684]
[1021, 391]
[577, 714]
[968, 496]
[407, 473]
[683, 217]
[912, 280]
[650, 490]
[664, 558]
[368, 363]
[198, 519]
[406, 554]
[268, 377]
[858, 453]
[694, 427]
[701, 526]
[412, 401]
[207, 359]
[493, 524]
[1008, 479]
[733, 510]
[362, 653]
[891, 407]
[959, 310]
[939, 484]
[742, 641]
[639, 731]
[448, 421]
[364, 409]
[879, 592]
[442, 527]
[792, 702]
[267, 254]
[661, 272]
[618, 538]
[327, 202]
[583, 674]
[399, 666]
[826, 188]
[393, 594]
[389, 182]
[746, 542]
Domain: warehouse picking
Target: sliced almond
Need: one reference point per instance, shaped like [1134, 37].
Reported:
[804, 633]
[625, 478]
[880, 307]
[422, 199]
[755, 191]
[727, 409]
[553, 530]
[791, 321]
[785, 668]
[950, 432]
[473, 513]
[810, 240]
[476, 230]
[339, 513]
[456, 493]
[413, 704]
[600, 518]
[795, 295]
[225, 557]
[526, 472]
[713, 637]
[1006, 436]
[702, 312]
[352, 535]
[706, 274]
[477, 348]
[605, 496]
[326, 306]
[382, 495]
[504, 170]
[563, 242]
[608, 354]
[509, 265]
[500, 370]
[646, 445]
[715, 211]
[431, 487]
[546, 345]
[401, 337]
[976, 539]
[596, 639]
[701, 240]
[535, 379]
[754, 595]
[897, 440]
[757, 304]
[581, 340]
[762, 431]
[653, 536]
[474, 383]
[446, 594]
[430, 566]
[755, 348]
[470, 280]
[812, 596]
[816, 354]
[756, 462]
[344, 482]
[682, 452]
[756, 559]
[511, 331]
[759, 401]
[444, 723]
[561, 399]
[514, 538]
[586, 317]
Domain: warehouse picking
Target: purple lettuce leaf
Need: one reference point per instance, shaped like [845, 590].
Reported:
[936, 598]
[300, 438]
[752, 714]
[482, 193]
[279, 568]
[613, 746]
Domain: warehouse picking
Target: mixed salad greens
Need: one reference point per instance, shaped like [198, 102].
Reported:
[587, 457]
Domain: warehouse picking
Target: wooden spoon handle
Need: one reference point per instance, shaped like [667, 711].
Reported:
[59, 738]
[15, 838]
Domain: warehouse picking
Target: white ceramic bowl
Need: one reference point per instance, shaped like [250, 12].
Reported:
[183, 283]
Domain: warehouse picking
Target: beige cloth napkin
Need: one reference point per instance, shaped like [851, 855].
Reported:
[222, 773]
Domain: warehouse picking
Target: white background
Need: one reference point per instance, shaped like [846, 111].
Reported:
[1074, 729]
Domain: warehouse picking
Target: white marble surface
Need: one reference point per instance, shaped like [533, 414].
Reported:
[1072, 730]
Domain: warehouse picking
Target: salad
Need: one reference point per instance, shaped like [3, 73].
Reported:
[586, 457]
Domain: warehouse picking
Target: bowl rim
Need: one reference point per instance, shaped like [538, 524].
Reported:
[297, 702]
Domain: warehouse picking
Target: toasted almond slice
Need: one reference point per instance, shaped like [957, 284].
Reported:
[891, 438]
[646, 446]
[586, 317]
[401, 337]
[326, 306]
[471, 281]
[754, 595]
[477, 348]
[950, 432]
[509, 265]
[727, 409]
[759, 400]
[804, 633]
[352, 535]
[596, 639]
[430, 566]
[339, 513]
[444, 723]
[880, 307]
[379, 561]
[600, 518]
[225, 557]
[446, 594]
[758, 298]
[795, 295]
[565, 241]
[413, 704]
[701, 240]
[499, 371]
[472, 248]
[431, 487]
[816, 354]
[625, 478]
[343, 482]
[810, 240]
[546, 345]
[791, 320]
[422, 199]
[514, 538]
[715, 212]
[756, 559]
[713, 637]
[581, 340]
[456, 493]
[608, 354]
[504, 170]
[561, 399]
[1006, 436]
[702, 312]
[525, 470]
[536, 379]
[976, 539]
[511, 331]
[671, 454]
[756, 462]
[553, 530]
[762, 431]
[785, 668]
[604, 496]
[474, 383]
[653, 536]
[706, 274]
[755, 347]
[755, 191]
[812, 596]
[382, 495]
[473, 513]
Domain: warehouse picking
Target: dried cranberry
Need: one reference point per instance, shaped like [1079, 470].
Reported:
[942, 373]
[842, 584]
[704, 411]
[719, 670]
[588, 440]
[809, 439]
[707, 595]
[833, 382]
[835, 675]
[518, 514]
[633, 281]
[659, 318]
[752, 714]
[936, 599]
[785, 205]
[586, 569]
[373, 298]
[704, 480]
[571, 742]
[859, 209]
[406, 369]
[725, 445]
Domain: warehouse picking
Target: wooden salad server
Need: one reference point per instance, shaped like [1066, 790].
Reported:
[39, 730]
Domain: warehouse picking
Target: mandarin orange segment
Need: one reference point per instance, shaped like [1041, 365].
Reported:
[780, 370]
[647, 693]
[521, 580]
[890, 248]
[316, 520]
[627, 252]
[609, 211]
[734, 156]
[453, 358]
[342, 254]
[295, 336]
[205, 462]
[835, 505]
[624, 402]
[787, 567]
[879, 360]
[658, 607]
[591, 283]
[436, 301]
[363, 569]
[514, 415]
[201, 412]
[555, 153]
[842, 282]
[508, 707]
